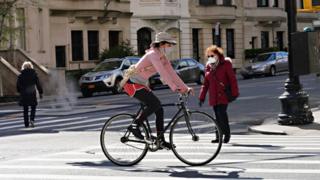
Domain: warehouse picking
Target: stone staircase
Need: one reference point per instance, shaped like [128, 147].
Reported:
[10, 65]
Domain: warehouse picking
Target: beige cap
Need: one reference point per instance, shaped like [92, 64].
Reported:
[164, 37]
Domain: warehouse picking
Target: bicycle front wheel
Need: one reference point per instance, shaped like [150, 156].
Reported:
[197, 138]
[118, 144]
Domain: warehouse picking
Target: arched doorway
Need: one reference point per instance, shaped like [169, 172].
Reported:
[144, 40]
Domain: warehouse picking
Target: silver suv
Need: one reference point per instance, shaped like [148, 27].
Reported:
[106, 76]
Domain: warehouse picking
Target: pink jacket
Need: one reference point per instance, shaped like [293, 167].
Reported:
[153, 62]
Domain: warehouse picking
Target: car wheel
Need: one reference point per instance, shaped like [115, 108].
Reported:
[116, 89]
[201, 79]
[86, 93]
[272, 71]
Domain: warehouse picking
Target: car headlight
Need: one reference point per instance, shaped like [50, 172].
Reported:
[262, 68]
[106, 76]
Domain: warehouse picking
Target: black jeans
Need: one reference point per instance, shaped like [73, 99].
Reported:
[222, 118]
[153, 105]
[26, 114]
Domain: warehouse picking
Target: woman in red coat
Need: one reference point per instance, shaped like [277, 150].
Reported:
[219, 74]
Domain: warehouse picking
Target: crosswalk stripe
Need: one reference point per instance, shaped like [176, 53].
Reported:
[46, 122]
[76, 123]
[221, 153]
[247, 170]
[20, 120]
[85, 177]
[152, 125]
[148, 159]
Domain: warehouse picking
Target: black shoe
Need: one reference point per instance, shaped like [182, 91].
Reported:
[134, 129]
[32, 124]
[226, 139]
[215, 141]
[165, 145]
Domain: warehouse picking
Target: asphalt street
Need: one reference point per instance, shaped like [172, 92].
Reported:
[65, 142]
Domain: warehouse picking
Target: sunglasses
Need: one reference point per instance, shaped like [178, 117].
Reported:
[211, 56]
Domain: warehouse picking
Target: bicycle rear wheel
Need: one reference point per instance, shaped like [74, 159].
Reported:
[118, 144]
[198, 148]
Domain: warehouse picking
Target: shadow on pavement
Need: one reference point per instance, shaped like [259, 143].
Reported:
[313, 126]
[209, 172]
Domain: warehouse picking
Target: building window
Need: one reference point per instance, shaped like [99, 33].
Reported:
[264, 39]
[275, 3]
[195, 44]
[60, 56]
[77, 45]
[21, 28]
[114, 37]
[93, 45]
[207, 2]
[253, 42]
[216, 38]
[301, 4]
[227, 2]
[263, 3]
[144, 40]
[315, 3]
[230, 43]
[280, 43]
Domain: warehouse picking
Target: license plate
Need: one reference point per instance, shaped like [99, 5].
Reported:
[91, 86]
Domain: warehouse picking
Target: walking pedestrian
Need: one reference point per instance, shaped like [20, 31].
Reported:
[27, 84]
[219, 77]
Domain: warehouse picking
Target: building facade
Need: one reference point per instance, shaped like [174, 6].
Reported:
[70, 34]
[235, 25]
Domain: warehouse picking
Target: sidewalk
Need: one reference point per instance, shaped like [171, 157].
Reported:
[271, 126]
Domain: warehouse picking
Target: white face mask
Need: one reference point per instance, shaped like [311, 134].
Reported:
[212, 60]
[167, 50]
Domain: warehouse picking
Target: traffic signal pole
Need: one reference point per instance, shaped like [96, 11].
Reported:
[294, 101]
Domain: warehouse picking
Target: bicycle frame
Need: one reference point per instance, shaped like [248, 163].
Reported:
[182, 109]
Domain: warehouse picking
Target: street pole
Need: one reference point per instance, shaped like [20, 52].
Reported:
[294, 101]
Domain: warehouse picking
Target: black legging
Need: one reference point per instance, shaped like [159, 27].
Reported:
[26, 114]
[153, 105]
[222, 118]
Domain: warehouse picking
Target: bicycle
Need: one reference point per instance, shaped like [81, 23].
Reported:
[192, 136]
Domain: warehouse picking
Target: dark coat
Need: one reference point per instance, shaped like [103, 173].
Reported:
[27, 83]
[216, 80]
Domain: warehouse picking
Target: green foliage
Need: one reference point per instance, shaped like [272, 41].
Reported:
[123, 50]
[251, 53]
[8, 30]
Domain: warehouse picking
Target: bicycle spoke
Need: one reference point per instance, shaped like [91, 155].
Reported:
[201, 142]
[119, 145]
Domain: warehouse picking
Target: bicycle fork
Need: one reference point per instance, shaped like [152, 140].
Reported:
[187, 118]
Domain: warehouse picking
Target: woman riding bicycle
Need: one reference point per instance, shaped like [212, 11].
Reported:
[154, 61]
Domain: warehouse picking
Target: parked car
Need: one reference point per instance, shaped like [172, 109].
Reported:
[106, 76]
[266, 64]
[188, 69]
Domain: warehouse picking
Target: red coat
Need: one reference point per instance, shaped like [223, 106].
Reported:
[215, 80]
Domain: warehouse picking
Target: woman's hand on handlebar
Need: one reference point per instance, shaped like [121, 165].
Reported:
[190, 91]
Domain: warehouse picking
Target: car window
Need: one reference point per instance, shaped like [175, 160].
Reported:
[191, 62]
[264, 57]
[107, 66]
[134, 60]
[279, 55]
[183, 64]
[285, 54]
[126, 64]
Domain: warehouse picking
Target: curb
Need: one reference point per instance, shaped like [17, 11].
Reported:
[268, 132]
